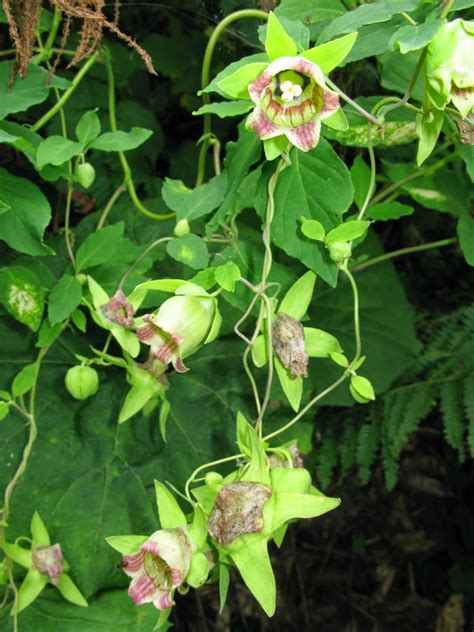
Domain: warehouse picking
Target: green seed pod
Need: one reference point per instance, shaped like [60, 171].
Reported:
[82, 381]
[340, 251]
[182, 228]
[85, 174]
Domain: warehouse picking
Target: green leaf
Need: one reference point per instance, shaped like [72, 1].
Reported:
[360, 174]
[310, 11]
[79, 320]
[4, 410]
[39, 533]
[428, 127]
[138, 295]
[254, 565]
[362, 386]
[394, 133]
[198, 529]
[24, 93]
[141, 392]
[22, 295]
[274, 147]
[339, 358]
[347, 232]
[48, 334]
[298, 32]
[277, 42]
[292, 387]
[236, 85]
[259, 351]
[224, 581]
[170, 513]
[312, 229]
[70, 591]
[320, 344]
[198, 571]
[191, 204]
[65, 296]
[30, 588]
[296, 301]
[257, 470]
[328, 56]
[366, 14]
[190, 249]
[337, 121]
[24, 380]
[465, 230]
[467, 155]
[88, 127]
[290, 505]
[317, 185]
[126, 544]
[165, 409]
[56, 150]
[413, 37]
[121, 141]
[99, 247]
[23, 224]
[389, 210]
[227, 275]
[224, 109]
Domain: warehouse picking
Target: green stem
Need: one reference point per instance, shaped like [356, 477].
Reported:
[413, 176]
[67, 95]
[446, 9]
[404, 251]
[108, 207]
[351, 102]
[47, 49]
[127, 172]
[190, 480]
[355, 294]
[140, 259]
[67, 218]
[205, 73]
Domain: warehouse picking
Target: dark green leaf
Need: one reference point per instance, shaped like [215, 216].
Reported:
[64, 298]
[121, 141]
[191, 204]
[99, 247]
[56, 150]
[190, 250]
[88, 127]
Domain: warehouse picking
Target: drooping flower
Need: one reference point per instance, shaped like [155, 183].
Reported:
[291, 99]
[159, 567]
[119, 310]
[450, 67]
[49, 561]
[180, 327]
[45, 565]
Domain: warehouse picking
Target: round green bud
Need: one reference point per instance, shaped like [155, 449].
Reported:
[82, 381]
[85, 174]
[82, 278]
[360, 399]
[182, 228]
[340, 251]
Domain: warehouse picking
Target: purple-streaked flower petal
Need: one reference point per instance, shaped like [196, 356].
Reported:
[132, 564]
[49, 561]
[142, 589]
[331, 104]
[306, 136]
[118, 310]
[262, 125]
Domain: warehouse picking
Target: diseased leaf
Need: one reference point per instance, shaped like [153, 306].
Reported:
[190, 250]
[22, 295]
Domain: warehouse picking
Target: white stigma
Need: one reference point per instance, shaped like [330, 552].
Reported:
[289, 91]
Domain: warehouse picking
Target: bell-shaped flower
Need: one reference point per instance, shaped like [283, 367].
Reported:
[45, 564]
[291, 99]
[159, 567]
[288, 91]
[172, 558]
[249, 507]
[450, 67]
[182, 325]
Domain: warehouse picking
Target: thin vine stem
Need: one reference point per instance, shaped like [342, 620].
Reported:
[127, 172]
[206, 466]
[403, 251]
[147, 250]
[41, 122]
[205, 73]
[108, 207]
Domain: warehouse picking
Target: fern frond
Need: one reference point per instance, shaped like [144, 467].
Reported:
[347, 447]
[453, 415]
[419, 401]
[367, 445]
[390, 468]
[468, 387]
[327, 456]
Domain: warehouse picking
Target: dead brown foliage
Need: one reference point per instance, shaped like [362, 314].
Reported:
[23, 17]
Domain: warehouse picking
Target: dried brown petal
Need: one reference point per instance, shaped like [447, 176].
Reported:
[238, 510]
[276, 460]
[288, 342]
[466, 129]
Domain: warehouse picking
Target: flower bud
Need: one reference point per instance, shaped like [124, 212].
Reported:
[450, 66]
[182, 228]
[181, 326]
[85, 174]
[340, 251]
[82, 381]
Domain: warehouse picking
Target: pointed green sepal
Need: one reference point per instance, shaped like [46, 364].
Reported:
[279, 535]
[31, 587]
[257, 470]
[296, 301]
[70, 591]
[274, 147]
[39, 533]
[259, 351]
[328, 56]
[292, 387]
[319, 344]
[288, 506]
[138, 295]
[277, 42]
[254, 565]
[126, 544]
[337, 121]
[170, 513]
[163, 618]
[291, 480]
[197, 530]
[237, 84]
[17, 553]
[198, 571]
[224, 581]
